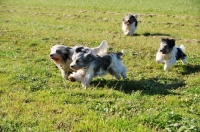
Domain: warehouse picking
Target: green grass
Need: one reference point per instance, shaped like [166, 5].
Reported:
[34, 97]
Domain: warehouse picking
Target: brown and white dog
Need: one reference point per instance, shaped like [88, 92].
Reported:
[129, 24]
[62, 56]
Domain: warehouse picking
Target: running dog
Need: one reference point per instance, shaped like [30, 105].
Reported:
[169, 53]
[129, 24]
[62, 56]
[88, 65]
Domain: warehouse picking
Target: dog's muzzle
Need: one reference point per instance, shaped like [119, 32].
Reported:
[163, 51]
[73, 67]
[51, 55]
[128, 22]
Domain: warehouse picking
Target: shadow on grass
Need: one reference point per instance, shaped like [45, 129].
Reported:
[150, 86]
[147, 34]
[190, 69]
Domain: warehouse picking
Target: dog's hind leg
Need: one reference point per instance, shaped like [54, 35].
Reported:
[124, 75]
[117, 75]
[184, 61]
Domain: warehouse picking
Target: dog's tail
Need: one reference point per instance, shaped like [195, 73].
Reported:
[182, 47]
[102, 48]
[120, 54]
[136, 16]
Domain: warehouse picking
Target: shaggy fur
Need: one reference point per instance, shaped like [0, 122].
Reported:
[62, 56]
[89, 65]
[129, 24]
[169, 53]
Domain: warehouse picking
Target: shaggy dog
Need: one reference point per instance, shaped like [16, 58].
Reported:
[62, 56]
[169, 53]
[88, 65]
[129, 24]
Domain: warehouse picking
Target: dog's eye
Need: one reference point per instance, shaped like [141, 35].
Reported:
[77, 61]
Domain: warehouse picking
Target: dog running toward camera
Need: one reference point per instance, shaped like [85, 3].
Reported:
[169, 53]
[88, 65]
[62, 56]
[129, 24]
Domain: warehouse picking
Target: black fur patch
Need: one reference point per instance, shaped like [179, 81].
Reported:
[169, 42]
[106, 62]
[78, 49]
[136, 23]
[131, 19]
[64, 53]
[102, 62]
[119, 54]
[180, 54]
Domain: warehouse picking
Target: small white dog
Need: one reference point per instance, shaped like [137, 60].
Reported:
[62, 56]
[169, 53]
[129, 24]
[88, 65]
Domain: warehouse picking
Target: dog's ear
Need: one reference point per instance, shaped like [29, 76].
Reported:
[163, 40]
[132, 18]
[66, 50]
[88, 56]
[78, 49]
[66, 53]
[172, 42]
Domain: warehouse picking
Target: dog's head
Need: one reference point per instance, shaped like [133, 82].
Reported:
[81, 58]
[61, 54]
[129, 19]
[166, 45]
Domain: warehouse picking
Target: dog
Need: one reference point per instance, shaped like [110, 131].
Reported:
[169, 53]
[129, 24]
[62, 56]
[88, 65]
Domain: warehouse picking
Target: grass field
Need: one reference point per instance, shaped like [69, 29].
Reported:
[34, 97]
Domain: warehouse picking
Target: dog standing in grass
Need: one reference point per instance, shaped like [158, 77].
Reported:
[169, 53]
[62, 56]
[88, 65]
[129, 24]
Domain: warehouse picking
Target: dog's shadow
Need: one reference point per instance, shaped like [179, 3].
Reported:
[148, 34]
[190, 69]
[150, 86]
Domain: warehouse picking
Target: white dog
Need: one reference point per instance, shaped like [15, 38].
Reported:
[62, 56]
[129, 24]
[89, 65]
[169, 53]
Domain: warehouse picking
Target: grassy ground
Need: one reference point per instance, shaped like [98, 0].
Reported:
[34, 97]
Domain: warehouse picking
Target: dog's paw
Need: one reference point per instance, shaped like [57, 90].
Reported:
[71, 78]
[158, 61]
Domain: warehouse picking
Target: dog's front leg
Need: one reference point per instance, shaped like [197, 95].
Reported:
[169, 63]
[159, 57]
[76, 76]
[127, 33]
[87, 78]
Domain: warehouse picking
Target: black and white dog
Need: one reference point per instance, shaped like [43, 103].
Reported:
[129, 24]
[169, 53]
[88, 65]
[62, 56]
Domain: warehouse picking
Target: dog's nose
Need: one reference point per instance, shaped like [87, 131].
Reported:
[51, 55]
[71, 66]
